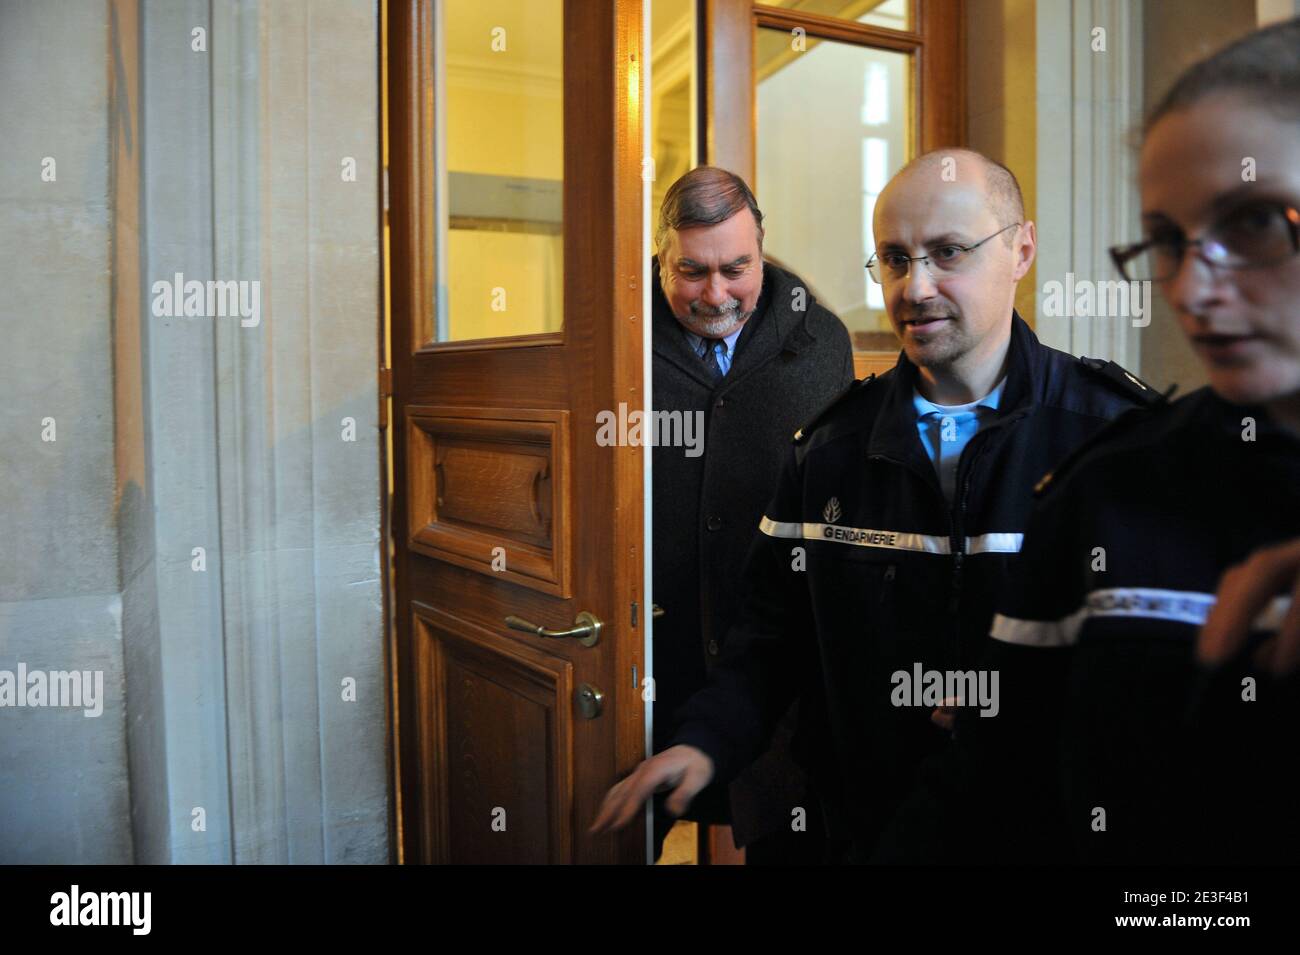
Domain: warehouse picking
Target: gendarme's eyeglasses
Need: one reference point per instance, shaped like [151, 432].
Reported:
[942, 260]
[1252, 236]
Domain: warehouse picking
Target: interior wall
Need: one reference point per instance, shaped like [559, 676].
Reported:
[205, 529]
[1001, 105]
[64, 790]
[1178, 33]
[1069, 131]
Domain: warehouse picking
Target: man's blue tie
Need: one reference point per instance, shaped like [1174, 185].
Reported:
[709, 353]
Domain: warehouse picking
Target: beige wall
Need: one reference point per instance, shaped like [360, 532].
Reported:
[222, 681]
[1001, 108]
[1178, 33]
[1006, 96]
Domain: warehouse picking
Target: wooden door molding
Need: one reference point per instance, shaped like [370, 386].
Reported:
[488, 489]
[942, 70]
[508, 426]
[729, 109]
[831, 28]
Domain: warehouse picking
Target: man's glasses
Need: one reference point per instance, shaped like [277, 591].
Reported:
[1252, 236]
[941, 261]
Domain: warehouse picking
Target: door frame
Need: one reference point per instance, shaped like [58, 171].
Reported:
[728, 132]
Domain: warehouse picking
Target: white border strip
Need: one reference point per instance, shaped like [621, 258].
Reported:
[998, 543]
[1149, 603]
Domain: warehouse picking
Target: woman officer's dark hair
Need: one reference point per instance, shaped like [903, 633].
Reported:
[1265, 65]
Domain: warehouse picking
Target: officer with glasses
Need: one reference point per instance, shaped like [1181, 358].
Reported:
[1251, 235]
[941, 260]
[899, 512]
[1148, 647]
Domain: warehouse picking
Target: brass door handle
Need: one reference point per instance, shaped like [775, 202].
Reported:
[585, 629]
[656, 611]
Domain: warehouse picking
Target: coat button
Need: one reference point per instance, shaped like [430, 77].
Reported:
[713, 648]
[714, 523]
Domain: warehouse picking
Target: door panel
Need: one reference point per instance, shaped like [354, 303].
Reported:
[495, 742]
[488, 489]
[504, 505]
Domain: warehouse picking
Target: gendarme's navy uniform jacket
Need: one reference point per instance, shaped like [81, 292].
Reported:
[1112, 745]
[863, 569]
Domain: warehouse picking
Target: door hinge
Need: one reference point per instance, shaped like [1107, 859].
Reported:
[385, 392]
[385, 189]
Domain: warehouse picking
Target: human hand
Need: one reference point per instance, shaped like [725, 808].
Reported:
[683, 769]
[1245, 591]
[945, 717]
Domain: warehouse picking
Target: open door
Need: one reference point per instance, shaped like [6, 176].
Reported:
[515, 137]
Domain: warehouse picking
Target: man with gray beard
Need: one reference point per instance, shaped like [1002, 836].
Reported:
[743, 347]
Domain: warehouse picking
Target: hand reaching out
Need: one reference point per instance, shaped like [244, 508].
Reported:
[683, 769]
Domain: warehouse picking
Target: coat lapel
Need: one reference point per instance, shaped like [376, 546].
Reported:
[759, 341]
[776, 327]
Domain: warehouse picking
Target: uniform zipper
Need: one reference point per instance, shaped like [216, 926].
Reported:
[959, 519]
[958, 548]
[930, 480]
[959, 531]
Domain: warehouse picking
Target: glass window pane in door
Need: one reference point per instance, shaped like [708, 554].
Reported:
[834, 124]
[502, 252]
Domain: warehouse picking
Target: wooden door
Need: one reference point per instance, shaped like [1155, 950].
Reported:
[504, 505]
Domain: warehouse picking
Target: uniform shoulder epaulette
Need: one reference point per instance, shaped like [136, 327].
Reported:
[1108, 432]
[1124, 380]
[850, 392]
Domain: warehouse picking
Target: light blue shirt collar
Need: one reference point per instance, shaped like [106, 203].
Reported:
[945, 431]
[725, 354]
[697, 341]
[990, 401]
